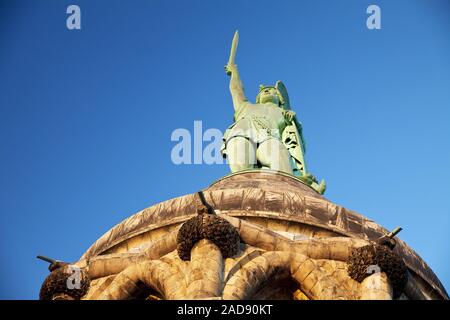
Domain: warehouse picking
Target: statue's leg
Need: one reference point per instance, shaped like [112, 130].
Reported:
[273, 154]
[241, 154]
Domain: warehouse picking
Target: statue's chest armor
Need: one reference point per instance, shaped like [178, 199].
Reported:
[264, 116]
[257, 122]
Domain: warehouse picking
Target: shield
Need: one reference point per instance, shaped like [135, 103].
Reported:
[293, 140]
[292, 135]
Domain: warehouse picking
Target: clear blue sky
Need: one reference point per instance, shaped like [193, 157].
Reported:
[86, 116]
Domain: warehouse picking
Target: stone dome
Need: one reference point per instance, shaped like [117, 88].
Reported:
[301, 240]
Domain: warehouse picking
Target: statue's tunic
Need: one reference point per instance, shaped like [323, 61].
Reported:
[256, 122]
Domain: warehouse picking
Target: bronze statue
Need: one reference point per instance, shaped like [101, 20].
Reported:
[265, 134]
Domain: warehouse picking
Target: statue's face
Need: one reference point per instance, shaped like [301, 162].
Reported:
[269, 95]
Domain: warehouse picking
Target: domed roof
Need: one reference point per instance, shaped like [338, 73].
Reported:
[277, 201]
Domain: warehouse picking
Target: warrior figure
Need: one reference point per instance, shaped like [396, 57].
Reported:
[265, 134]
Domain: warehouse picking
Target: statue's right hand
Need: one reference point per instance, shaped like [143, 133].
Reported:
[230, 68]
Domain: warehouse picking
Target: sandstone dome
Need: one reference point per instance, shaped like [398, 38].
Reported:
[292, 243]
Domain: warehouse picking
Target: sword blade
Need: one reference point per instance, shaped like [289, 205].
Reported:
[234, 45]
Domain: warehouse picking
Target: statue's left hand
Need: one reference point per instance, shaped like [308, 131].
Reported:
[289, 115]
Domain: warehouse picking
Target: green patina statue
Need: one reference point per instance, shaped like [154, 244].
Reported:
[265, 134]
